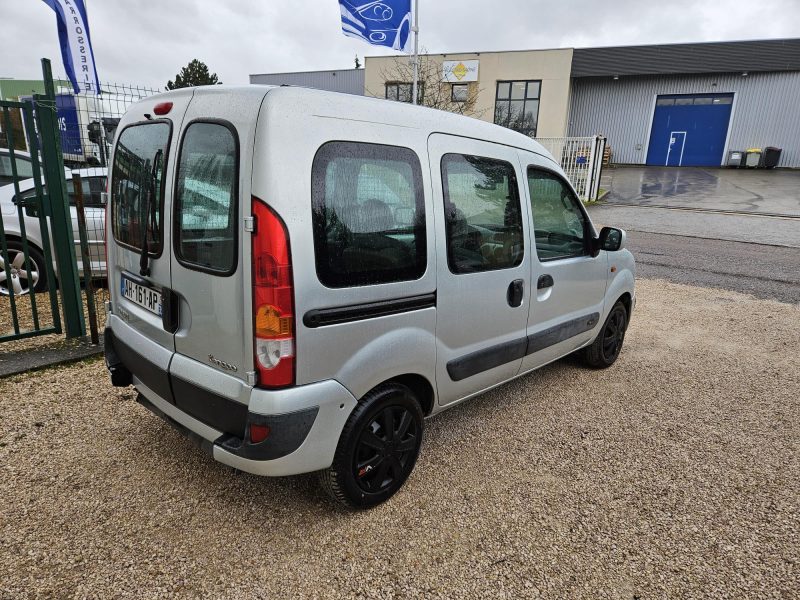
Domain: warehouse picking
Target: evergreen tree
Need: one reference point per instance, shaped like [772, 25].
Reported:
[195, 73]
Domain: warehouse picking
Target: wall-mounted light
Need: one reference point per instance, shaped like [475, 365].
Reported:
[744, 73]
[616, 77]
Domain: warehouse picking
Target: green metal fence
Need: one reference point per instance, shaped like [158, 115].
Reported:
[36, 225]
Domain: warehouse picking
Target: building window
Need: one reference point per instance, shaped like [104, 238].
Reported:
[517, 105]
[460, 92]
[402, 92]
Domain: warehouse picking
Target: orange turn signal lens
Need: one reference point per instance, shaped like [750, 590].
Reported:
[271, 324]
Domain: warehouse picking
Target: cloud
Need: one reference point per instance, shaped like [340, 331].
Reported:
[147, 43]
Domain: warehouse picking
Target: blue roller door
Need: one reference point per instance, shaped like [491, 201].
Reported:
[689, 130]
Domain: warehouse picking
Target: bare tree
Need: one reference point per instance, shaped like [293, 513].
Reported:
[433, 91]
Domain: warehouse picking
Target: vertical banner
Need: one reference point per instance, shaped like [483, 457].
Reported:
[76, 45]
[380, 23]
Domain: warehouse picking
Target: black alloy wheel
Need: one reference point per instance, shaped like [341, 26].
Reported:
[605, 349]
[385, 448]
[377, 449]
[613, 335]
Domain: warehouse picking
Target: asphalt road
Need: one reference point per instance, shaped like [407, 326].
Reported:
[770, 272]
[732, 229]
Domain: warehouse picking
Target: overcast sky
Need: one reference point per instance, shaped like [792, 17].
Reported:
[147, 42]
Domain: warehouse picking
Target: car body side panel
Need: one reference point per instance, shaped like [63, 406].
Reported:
[282, 169]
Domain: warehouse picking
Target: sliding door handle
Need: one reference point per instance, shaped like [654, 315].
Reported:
[515, 292]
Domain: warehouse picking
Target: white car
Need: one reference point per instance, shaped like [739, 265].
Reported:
[23, 164]
[22, 279]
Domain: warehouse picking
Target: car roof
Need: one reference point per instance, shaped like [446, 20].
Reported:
[377, 110]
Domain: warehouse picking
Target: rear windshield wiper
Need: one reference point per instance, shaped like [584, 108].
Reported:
[149, 213]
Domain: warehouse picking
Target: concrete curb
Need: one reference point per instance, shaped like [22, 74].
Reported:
[14, 363]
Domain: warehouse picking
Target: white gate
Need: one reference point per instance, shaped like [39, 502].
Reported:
[582, 160]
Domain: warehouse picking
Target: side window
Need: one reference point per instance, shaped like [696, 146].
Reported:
[137, 196]
[206, 198]
[97, 185]
[368, 214]
[558, 221]
[24, 168]
[90, 189]
[482, 214]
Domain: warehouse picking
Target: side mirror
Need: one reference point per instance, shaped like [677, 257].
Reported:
[611, 239]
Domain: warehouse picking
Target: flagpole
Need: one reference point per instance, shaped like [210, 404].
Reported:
[415, 86]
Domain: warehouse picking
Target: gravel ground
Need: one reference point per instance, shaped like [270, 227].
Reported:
[674, 473]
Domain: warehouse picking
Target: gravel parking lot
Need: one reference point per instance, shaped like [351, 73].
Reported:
[674, 473]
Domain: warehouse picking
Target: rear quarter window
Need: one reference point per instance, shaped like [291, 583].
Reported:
[137, 194]
[368, 214]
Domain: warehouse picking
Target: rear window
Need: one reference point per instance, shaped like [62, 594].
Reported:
[369, 214]
[205, 204]
[137, 195]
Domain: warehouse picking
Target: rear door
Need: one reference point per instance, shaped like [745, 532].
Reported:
[210, 274]
[143, 166]
[483, 265]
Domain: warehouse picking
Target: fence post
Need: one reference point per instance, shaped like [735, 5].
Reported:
[88, 285]
[61, 220]
[601, 150]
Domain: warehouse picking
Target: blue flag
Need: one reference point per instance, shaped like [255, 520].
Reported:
[380, 23]
[76, 45]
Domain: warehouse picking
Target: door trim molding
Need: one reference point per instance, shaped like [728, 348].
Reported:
[500, 354]
[323, 317]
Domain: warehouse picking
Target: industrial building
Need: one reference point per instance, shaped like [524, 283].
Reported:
[669, 104]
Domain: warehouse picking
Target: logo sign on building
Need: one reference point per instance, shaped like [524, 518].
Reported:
[76, 46]
[460, 71]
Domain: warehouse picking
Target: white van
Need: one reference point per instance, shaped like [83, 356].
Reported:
[320, 272]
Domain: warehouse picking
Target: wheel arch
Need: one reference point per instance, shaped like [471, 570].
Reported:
[15, 237]
[419, 385]
[421, 388]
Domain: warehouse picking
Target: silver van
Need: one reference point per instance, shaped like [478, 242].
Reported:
[298, 278]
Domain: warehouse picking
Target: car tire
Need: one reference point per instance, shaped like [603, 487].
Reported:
[605, 349]
[378, 448]
[36, 258]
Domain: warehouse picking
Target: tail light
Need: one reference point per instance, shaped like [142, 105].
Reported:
[273, 299]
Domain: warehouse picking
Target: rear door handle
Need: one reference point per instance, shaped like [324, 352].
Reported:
[516, 290]
[545, 281]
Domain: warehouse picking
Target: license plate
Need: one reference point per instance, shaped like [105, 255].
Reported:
[146, 297]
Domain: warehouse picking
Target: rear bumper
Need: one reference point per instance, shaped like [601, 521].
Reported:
[305, 422]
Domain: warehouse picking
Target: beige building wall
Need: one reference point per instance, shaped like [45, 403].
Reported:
[552, 67]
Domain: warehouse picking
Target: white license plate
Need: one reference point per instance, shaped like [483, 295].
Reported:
[144, 296]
